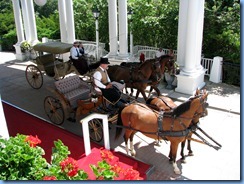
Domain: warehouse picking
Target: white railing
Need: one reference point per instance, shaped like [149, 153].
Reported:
[150, 53]
[207, 64]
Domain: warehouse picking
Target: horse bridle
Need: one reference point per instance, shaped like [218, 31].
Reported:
[203, 105]
[157, 75]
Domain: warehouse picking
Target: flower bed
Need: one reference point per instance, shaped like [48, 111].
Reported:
[22, 159]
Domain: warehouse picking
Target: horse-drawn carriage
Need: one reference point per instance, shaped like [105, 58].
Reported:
[75, 97]
[52, 59]
[170, 122]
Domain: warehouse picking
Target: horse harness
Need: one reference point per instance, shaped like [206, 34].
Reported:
[133, 73]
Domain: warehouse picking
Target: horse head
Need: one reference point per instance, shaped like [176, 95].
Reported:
[156, 74]
[166, 61]
[201, 111]
[155, 69]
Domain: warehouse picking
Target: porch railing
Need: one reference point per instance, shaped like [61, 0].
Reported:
[150, 53]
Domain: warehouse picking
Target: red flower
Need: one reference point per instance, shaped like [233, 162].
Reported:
[116, 168]
[33, 141]
[131, 174]
[107, 155]
[49, 178]
[100, 178]
[69, 166]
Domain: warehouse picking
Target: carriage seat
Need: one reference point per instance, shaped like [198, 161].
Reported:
[74, 89]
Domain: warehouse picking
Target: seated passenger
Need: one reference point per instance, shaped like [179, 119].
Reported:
[78, 60]
[111, 91]
[160, 53]
[81, 48]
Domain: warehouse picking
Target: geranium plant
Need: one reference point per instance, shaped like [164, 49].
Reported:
[25, 46]
[22, 159]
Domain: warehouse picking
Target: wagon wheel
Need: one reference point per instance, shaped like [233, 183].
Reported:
[34, 76]
[54, 110]
[95, 130]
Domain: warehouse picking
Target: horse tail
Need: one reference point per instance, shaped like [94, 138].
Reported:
[119, 123]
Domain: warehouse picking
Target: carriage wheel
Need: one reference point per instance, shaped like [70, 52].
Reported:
[95, 130]
[54, 110]
[34, 76]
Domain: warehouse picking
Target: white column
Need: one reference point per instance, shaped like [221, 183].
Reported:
[199, 36]
[18, 21]
[131, 40]
[191, 39]
[113, 30]
[19, 29]
[32, 23]
[26, 20]
[70, 21]
[182, 28]
[123, 29]
[191, 76]
[62, 21]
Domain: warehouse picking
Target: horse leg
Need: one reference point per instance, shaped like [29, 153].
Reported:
[132, 150]
[137, 93]
[144, 95]
[126, 144]
[131, 91]
[190, 152]
[182, 151]
[127, 135]
[173, 153]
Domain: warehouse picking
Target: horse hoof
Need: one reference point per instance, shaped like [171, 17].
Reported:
[133, 154]
[177, 172]
[190, 154]
[183, 160]
[156, 143]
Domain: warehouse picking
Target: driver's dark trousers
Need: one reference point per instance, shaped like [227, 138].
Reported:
[81, 65]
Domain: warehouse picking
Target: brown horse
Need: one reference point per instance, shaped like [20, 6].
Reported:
[173, 126]
[128, 72]
[163, 103]
[136, 77]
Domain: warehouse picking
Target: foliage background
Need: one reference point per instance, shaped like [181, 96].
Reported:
[154, 23]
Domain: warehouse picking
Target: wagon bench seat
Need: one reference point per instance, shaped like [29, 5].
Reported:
[74, 89]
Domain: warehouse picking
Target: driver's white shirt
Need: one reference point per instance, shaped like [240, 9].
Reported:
[97, 80]
[159, 54]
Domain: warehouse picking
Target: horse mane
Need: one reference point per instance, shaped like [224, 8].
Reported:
[149, 100]
[182, 108]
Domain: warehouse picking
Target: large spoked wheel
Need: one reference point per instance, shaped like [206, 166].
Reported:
[34, 76]
[95, 130]
[54, 110]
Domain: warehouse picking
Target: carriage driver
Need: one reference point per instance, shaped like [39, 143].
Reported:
[111, 91]
[78, 60]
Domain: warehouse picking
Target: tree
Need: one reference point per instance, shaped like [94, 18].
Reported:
[222, 29]
[154, 23]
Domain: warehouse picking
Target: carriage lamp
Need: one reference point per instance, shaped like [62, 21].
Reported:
[96, 14]
[129, 14]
